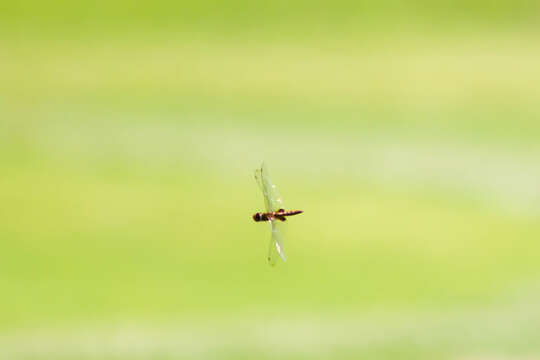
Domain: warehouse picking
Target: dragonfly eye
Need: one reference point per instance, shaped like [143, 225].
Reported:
[257, 217]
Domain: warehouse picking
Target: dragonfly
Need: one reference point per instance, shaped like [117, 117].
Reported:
[275, 214]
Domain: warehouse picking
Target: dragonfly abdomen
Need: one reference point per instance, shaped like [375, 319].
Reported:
[280, 215]
[289, 213]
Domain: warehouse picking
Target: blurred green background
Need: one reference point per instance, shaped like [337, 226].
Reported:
[407, 132]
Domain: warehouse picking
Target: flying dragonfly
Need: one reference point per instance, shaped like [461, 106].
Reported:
[275, 214]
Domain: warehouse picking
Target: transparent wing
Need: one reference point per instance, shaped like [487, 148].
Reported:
[272, 202]
[275, 249]
[272, 198]
[258, 178]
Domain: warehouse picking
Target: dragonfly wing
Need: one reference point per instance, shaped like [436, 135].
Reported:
[275, 249]
[272, 198]
[272, 202]
[266, 196]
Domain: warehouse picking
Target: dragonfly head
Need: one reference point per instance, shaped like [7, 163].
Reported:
[257, 216]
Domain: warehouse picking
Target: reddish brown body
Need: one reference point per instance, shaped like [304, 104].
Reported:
[280, 215]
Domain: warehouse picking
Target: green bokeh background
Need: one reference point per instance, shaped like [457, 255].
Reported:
[408, 132]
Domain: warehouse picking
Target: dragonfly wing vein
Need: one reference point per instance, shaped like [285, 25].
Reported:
[260, 182]
[272, 196]
[277, 242]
